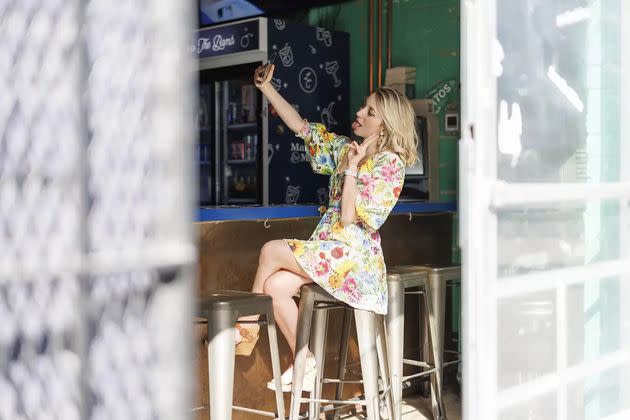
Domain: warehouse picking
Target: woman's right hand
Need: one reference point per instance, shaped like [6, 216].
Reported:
[356, 152]
[260, 78]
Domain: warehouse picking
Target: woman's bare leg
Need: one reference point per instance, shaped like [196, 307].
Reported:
[282, 286]
[274, 256]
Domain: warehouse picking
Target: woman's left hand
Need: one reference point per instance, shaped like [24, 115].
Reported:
[356, 151]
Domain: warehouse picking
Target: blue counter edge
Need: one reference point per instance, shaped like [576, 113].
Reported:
[212, 214]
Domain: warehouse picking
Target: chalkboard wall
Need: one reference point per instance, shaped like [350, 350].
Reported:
[311, 74]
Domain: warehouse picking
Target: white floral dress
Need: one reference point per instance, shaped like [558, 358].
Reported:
[348, 261]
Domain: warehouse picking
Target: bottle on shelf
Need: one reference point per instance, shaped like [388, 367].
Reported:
[238, 150]
[248, 147]
[239, 185]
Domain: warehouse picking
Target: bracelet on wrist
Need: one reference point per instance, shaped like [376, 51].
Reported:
[350, 172]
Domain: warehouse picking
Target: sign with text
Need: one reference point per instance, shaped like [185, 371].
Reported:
[441, 94]
[228, 39]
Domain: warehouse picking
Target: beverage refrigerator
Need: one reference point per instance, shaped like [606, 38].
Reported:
[229, 131]
[246, 155]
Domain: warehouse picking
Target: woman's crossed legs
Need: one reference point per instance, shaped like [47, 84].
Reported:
[280, 276]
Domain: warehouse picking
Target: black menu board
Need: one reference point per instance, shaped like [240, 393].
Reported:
[312, 74]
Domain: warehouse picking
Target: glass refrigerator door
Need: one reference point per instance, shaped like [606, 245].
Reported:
[205, 153]
[544, 202]
[239, 141]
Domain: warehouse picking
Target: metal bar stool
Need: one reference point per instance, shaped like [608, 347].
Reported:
[402, 280]
[222, 309]
[440, 277]
[312, 319]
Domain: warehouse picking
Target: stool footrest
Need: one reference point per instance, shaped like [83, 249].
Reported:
[418, 363]
[419, 375]
[452, 362]
[356, 401]
[254, 411]
[339, 381]
[414, 292]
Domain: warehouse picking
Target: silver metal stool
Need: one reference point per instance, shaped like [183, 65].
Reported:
[222, 309]
[312, 321]
[401, 280]
[440, 277]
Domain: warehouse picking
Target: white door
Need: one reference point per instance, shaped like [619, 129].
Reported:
[545, 198]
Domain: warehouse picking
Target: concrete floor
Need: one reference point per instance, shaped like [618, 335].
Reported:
[418, 408]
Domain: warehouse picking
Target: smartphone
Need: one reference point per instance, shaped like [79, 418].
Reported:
[267, 67]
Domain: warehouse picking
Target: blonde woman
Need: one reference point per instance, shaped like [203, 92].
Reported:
[343, 255]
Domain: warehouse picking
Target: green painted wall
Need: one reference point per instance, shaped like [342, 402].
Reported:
[425, 35]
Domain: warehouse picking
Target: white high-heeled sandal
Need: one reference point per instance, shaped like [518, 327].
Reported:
[286, 380]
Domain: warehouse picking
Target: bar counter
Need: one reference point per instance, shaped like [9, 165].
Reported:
[229, 242]
[212, 214]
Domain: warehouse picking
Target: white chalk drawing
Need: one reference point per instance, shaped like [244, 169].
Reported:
[339, 98]
[298, 153]
[296, 106]
[269, 153]
[293, 193]
[307, 79]
[286, 55]
[331, 68]
[245, 39]
[274, 47]
[322, 195]
[280, 24]
[326, 115]
[285, 85]
[276, 83]
[313, 49]
[324, 35]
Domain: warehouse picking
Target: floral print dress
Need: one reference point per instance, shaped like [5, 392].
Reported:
[348, 261]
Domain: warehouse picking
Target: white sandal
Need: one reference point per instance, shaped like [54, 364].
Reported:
[286, 380]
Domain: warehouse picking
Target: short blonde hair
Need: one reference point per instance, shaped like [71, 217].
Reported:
[399, 121]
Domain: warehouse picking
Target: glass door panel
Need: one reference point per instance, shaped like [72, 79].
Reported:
[545, 199]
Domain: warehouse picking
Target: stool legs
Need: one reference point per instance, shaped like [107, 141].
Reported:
[436, 381]
[221, 336]
[318, 346]
[366, 334]
[381, 349]
[305, 312]
[275, 362]
[438, 303]
[372, 344]
[343, 355]
[395, 320]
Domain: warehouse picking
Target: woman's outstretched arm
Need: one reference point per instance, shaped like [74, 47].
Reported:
[287, 113]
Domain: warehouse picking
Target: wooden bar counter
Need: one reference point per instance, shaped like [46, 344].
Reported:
[415, 233]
